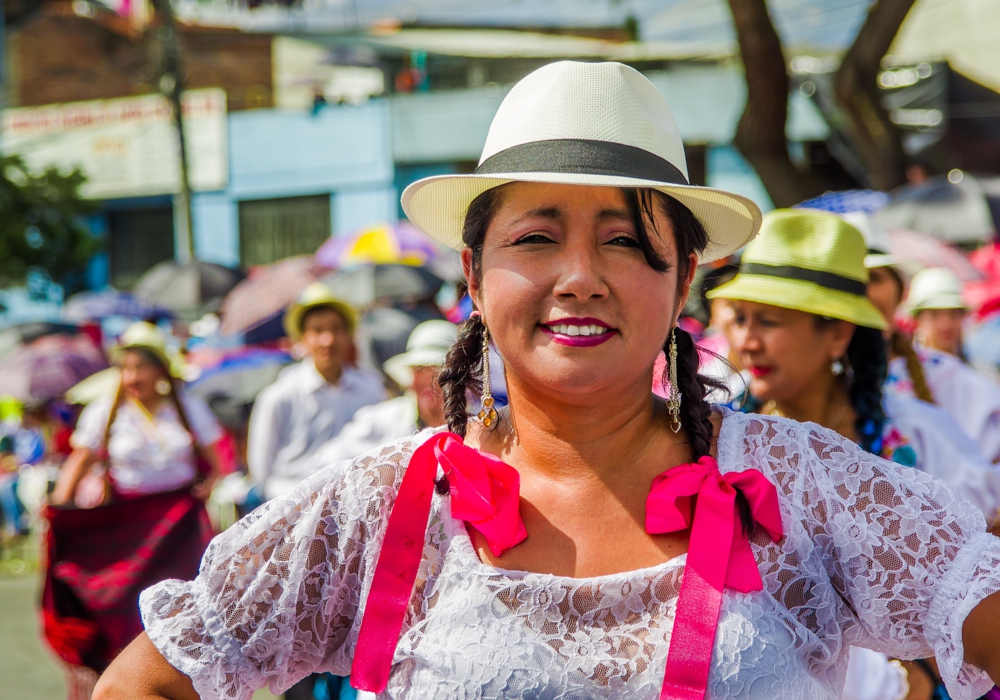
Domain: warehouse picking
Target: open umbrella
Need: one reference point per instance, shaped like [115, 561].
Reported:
[957, 208]
[927, 251]
[95, 306]
[240, 376]
[363, 286]
[847, 201]
[48, 367]
[267, 291]
[14, 336]
[189, 288]
[401, 243]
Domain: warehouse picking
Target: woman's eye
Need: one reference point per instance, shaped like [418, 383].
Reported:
[625, 241]
[533, 238]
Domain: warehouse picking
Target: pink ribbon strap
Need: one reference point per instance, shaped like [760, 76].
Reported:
[484, 493]
[719, 555]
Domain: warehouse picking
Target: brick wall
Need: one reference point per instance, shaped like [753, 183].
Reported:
[58, 56]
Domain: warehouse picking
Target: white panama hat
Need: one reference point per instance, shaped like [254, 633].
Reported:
[576, 123]
[427, 346]
[935, 288]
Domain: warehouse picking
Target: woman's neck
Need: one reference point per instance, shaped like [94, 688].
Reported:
[825, 401]
[596, 435]
[150, 403]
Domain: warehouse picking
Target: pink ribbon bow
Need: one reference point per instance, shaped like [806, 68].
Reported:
[484, 493]
[719, 555]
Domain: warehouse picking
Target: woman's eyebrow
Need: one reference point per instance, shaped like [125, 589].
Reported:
[543, 212]
[614, 215]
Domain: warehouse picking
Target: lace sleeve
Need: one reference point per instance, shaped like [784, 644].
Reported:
[909, 557]
[276, 596]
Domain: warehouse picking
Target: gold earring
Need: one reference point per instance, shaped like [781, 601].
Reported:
[488, 414]
[674, 402]
[162, 386]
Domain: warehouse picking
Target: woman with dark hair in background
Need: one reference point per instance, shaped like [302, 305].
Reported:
[589, 540]
[143, 462]
[813, 344]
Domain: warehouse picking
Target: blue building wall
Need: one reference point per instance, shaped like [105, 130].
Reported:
[343, 151]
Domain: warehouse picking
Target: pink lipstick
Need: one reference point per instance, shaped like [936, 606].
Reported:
[578, 332]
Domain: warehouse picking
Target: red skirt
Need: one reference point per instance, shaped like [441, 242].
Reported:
[100, 559]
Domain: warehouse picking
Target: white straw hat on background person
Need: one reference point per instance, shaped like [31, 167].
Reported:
[584, 124]
[427, 346]
[935, 288]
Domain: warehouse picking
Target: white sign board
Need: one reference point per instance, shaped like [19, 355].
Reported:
[126, 147]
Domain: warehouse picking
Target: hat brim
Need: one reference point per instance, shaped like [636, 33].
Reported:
[174, 367]
[437, 205]
[802, 296]
[400, 367]
[940, 303]
[293, 317]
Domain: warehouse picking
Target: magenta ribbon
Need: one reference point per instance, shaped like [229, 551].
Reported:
[719, 555]
[484, 493]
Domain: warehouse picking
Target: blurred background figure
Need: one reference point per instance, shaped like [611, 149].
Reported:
[938, 310]
[311, 401]
[421, 405]
[127, 509]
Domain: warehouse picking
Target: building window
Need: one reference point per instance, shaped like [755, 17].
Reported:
[272, 229]
[137, 240]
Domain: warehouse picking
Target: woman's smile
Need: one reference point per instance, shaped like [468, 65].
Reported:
[578, 332]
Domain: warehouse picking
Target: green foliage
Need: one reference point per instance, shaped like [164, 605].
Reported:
[40, 224]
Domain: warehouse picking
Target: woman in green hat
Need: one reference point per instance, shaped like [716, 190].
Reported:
[813, 344]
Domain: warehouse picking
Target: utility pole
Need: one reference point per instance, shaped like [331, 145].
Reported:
[172, 85]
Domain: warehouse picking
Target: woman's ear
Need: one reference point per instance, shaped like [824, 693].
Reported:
[684, 286]
[470, 275]
[843, 332]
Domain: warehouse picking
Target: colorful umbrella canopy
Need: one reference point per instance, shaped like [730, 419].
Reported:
[847, 201]
[241, 375]
[363, 286]
[14, 336]
[189, 288]
[95, 306]
[267, 291]
[48, 367]
[927, 251]
[401, 243]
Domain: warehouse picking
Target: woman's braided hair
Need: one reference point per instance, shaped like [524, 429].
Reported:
[901, 346]
[461, 374]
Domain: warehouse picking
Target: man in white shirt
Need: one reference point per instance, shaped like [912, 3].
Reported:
[422, 406]
[312, 401]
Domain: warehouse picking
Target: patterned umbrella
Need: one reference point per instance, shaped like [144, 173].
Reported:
[927, 251]
[847, 201]
[363, 286]
[48, 367]
[267, 291]
[12, 337]
[382, 243]
[192, 287]
[95, 306]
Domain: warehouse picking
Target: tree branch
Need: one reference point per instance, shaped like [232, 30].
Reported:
[856, 84]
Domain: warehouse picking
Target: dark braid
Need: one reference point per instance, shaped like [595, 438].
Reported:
[866, 356]
[462, 374]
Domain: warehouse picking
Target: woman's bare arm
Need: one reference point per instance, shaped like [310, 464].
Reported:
[73, 470]
[979, 635]
[141, 673]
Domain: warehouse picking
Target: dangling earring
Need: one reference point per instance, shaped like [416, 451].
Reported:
[674, 402]
[488, 414]
[162, 386]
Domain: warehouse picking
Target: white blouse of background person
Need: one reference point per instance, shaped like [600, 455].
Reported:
[147, 456]
[294, 416]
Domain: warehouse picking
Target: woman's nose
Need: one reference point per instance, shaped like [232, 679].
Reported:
[580, 274]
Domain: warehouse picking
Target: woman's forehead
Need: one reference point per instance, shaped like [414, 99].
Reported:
[533, 195]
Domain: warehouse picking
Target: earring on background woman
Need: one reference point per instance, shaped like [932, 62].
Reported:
[488, 414]
[674, 402]
[837, 367]
[162, 387]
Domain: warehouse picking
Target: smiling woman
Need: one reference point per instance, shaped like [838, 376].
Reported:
[595, 541]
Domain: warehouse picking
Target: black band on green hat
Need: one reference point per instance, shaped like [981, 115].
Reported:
[828, 280]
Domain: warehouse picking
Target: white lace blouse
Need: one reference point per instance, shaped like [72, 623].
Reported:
[875, 555]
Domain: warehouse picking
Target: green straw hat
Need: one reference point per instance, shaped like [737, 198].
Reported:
[314, 296]
[810, 261]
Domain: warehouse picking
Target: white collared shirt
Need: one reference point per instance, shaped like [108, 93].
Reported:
[294, 416]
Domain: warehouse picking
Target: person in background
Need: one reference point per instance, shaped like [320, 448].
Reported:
[421, 406]
[935, 302]
[813, 343]
[152, 439]
[312, 401]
